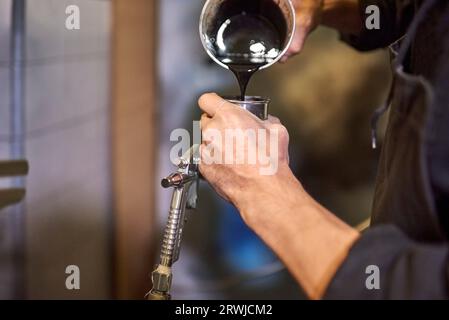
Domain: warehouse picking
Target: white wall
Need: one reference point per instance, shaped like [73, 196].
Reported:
[68, 207]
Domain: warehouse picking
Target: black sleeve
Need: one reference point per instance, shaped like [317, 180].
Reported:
[395, 16]
[407, 270]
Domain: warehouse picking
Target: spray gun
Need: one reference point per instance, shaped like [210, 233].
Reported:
[185, 183]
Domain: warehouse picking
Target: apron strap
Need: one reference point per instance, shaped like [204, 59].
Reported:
[398, 65]
[378, 113]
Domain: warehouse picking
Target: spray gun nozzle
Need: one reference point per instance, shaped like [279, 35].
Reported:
[177, 179]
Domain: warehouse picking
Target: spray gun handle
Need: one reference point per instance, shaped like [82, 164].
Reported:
[185, 195]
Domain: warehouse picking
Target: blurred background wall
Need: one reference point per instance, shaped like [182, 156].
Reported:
[134, 143]
[6, 242]
[100, 105]
[67, 211]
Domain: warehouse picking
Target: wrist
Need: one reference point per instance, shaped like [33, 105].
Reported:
[268, 197]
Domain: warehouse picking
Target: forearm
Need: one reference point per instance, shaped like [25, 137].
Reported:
[310, 240]
[342, 15]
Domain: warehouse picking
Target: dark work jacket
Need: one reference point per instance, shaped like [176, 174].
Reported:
[407, 240]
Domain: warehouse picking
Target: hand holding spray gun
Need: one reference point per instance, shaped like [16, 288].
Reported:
[185, 182]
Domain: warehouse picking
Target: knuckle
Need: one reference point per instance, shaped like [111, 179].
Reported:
[203, 163]
[295, 48]
[204, 120]
[278, 127]
[207, 98]
[202, 99]
[284, 134]
[273, 119]
[203, 169]
[206, 132]
[306, 21]
[206, 128]
[282, 131]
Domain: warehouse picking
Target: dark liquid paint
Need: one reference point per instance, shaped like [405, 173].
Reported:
[248, 35]
[243, 73]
